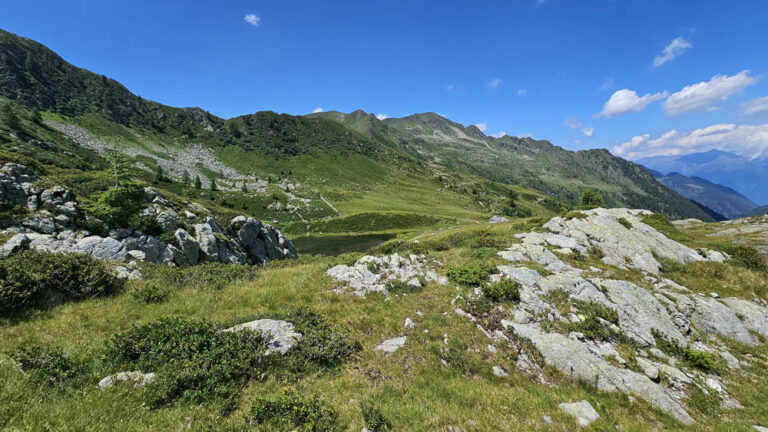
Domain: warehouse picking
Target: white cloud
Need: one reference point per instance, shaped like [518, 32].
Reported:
[627, 101]
[702, 96]
[749, 141]
[572, 123]
[381, 116]
[522, 92]
[252, 19]
[499, 134]
[674, 49]
[756, 105]
[482, 126]
[449, 87]
[318, 110]
[494, 83]
[588, 131]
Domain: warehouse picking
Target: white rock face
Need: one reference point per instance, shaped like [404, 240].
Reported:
[583, 412]
[753, 316]
[138, 378]
[499, 371]
[282, 335]
[391, 345]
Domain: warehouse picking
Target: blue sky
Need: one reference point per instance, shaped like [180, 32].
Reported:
[526, 67]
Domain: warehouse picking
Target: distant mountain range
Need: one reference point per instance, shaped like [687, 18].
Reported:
[337, 154]
[525, 161]
[722, 199]
[747, 177]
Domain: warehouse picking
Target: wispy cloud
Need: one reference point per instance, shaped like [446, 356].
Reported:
[482, 126]
[318, 110]
[572, 123]
[756, 105]
[702, 96]
[450, 87]
[627, 101]
[674, 49]
[381, 116]
[522, 92]
[252, 19]
[750, 141]
[499, 134]
[607, 84]
[495, 83]
[588, 131]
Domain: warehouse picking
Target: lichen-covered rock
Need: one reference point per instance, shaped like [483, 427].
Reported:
[371, 274]
[712, 317]
[282, 335]
[391, 345]
[138, 378]
[582, 411]
[14, 244]
[752, 315]
[622, 246]
[575, 359]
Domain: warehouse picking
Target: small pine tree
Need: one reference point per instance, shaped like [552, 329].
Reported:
[245, 188]
[185, 178]
[213, 185]
[159, 174]
[591, 199]
[8, 116]
[37, 117]
[198, 182]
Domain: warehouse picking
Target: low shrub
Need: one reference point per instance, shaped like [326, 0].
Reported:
[747, 257]
[322, 344]
[627, 224]
[470, 273]
[480, 253]
[194, 360]
[705, 361]
[40, 279]
[47, 365]
[374, 419]
[591, 199]
[150, 292]
[209, 275]
[596, 252]
[504, 291]
[291, 411]
[397, 286]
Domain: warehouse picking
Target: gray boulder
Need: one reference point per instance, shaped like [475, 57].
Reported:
[582, 411]
[14, 244]
[752, 315]
[282, 335]
[712, 317]
[189, 246]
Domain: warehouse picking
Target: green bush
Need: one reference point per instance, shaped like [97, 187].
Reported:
[470, 273]
[150, 292]
[505, 290]
[702, 360]
[290, 411]
[32, 278]
[748, 257]
[194, 360]
[374, 419]
[399, 287]
[215, 276]
[591, 199]
[47, 365]
[118, 206]
[322, 344]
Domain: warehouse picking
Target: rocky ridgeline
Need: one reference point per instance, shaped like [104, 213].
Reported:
[51, 225]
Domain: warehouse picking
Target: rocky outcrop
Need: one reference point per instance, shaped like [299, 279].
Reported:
[372, 274]
[581, 411]
[138, 378]
[53, 216]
